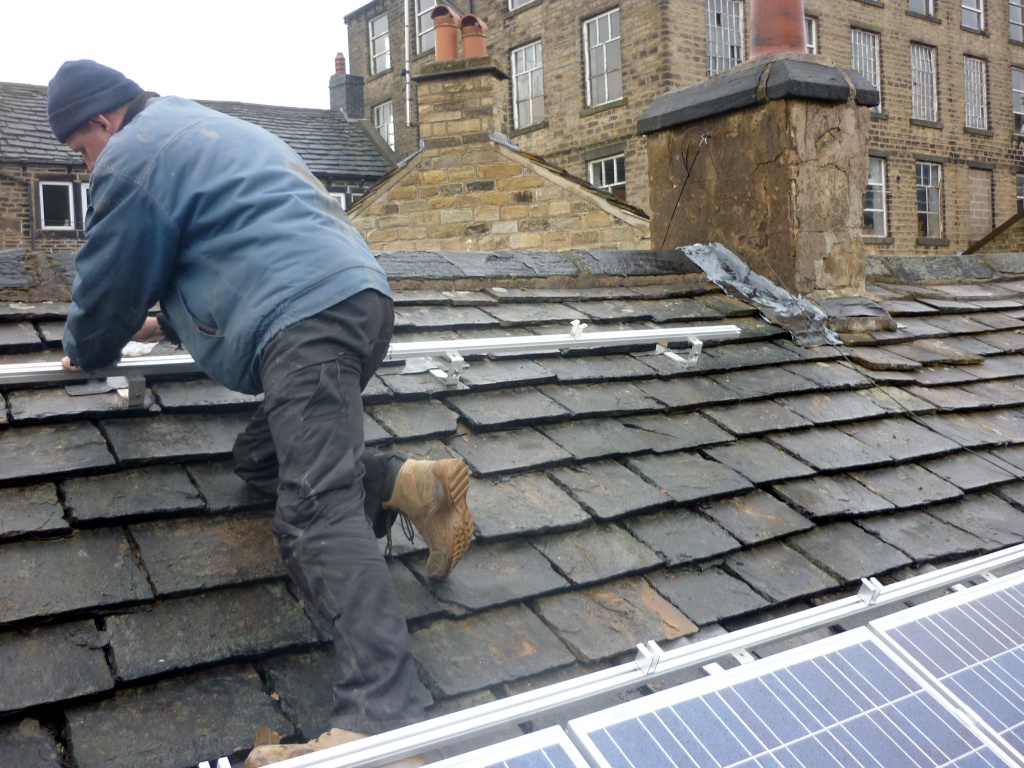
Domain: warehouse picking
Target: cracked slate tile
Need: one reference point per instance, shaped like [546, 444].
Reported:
[373, 433]
[493, 374]
[848, 551]
[969, 471]
[191, 555]
[92, 569]
[677, 432]
[907, 485]
[922, 537]
[756, 517]
[201, 394]
[51, 664]
[303, 684]
[19, 337]
[42, 405]
[596, 438]
[223, 490]
[536, 504]
[131, 493]
[758, 461]
[416, 420]
[832, 407]
[986, 516]
[493, 574]
[505, 409]
[178, 436]
[609, 399]
[516, 450]
[901, 438]
[830, 375]
[690, 392]
[27, 743]
[825, 497]
[826, 448]
[487, 649]
[764, 382]
[31, 510]
[688, 478]
[596, 553]
[601, 622]
[183, 721]
[607, 490]
[52, 450]
[682, 536]
[756, 418]
[779, 572]
[590, 368]
[708, 596]
[415, 599]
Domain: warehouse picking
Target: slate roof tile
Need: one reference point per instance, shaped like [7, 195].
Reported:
[494, 374]
[827, 448]
[908, 485]
[31, 510]
[608, 490]
[509, 408]
[758, 461]
[27, 742]
[37, 452]
[48, 405]
[596, 553]
[708, 596]
[302, 682]
[826, 497]
[584, 368]
[201, 396]
[517, 450]
[596, 438]
[832, 407]
[611, 399]
[681, 536]
[969, 471]
[778, 572]
[688, 393]
[416, 421]
[922, 537]
[178, 436]
[902, 438]
[130, 493]
[756, 418]
[687, 477]
[988, 517]
[848, 551]
[756, 517]
[223, 490]
[542, 506]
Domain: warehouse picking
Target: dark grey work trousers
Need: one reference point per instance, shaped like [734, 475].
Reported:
[305, 445]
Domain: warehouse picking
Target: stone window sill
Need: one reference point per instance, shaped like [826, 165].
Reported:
[879, 115]
[924, 16]
[876, 240]
[380, 74]
[528, 129]
[521, 8]
[936, 241]
[974, 31]
[588, 111]
[926, 123]
[1016, 42]
[979, 132]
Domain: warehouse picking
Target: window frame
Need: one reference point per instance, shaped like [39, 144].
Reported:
[389, 134]
[515, 5]
[1017, 96]
[375, 69]
[978, 88]
[618, 163]
[1020, 193]
[607, 75]
[929, 6]
[530, 101]
[69, 187]
[933, 182]
[811, 34]
[928, 79]
[872, 74]
[424, 24]
[878, 184]
[728, 37]
[975, 7]
[1017, 25]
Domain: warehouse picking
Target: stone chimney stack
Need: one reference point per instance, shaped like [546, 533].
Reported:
[346, 91]
[460, 102]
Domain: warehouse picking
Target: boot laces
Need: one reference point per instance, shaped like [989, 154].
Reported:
[407, 529]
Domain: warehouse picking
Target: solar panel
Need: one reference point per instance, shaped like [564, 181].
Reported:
[845, 701]
[549, 748]
[972, 642]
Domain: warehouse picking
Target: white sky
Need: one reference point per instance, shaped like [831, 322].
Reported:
[279, 53]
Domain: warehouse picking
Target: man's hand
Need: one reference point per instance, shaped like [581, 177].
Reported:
[150, 331]
[68, 365]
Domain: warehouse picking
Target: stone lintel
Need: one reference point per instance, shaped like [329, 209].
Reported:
[460, 68]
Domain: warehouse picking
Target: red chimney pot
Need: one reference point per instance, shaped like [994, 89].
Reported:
[339, 64]
[777, 25]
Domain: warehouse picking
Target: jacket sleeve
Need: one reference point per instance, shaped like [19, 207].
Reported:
[126, 262]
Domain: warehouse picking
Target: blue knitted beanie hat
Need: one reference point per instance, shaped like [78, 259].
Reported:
[81, 90]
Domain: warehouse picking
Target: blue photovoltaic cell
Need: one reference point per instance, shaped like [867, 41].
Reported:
[976, 650]
[553, 756]
[852, 706]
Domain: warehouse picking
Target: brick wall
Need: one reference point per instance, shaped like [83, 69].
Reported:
[20, 209]
[1009, 240]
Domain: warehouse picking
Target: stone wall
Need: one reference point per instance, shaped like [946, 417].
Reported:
[20, 222]
[1009, 238]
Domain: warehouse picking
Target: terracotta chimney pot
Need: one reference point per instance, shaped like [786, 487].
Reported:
[339, 64]
[446, 33]
[776, 25]
[474, 36]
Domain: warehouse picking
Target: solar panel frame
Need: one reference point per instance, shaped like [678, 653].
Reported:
[848, 725]
[547, 748]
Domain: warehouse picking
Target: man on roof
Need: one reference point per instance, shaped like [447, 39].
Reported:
[262, 277]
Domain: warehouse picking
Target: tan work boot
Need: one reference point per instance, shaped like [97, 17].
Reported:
[269, 753]
[432, 494]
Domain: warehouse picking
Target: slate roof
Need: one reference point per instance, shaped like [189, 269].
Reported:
[328, 143]
[147, 620]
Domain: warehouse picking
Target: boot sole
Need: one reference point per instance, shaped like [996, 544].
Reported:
[454, 477]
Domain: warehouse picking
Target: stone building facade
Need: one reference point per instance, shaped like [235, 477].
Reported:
[951, 119]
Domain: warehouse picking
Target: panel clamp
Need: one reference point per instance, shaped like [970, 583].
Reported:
[647, 657]
[870, 590]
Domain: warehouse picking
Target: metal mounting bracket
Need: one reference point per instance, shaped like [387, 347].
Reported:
[870, 589]
[647, 657]
[696, 345]
[744, 656]
[451, 371]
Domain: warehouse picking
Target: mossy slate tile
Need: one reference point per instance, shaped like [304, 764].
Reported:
[54, 450]
[174, 724]
[487, 649]
[608, 490]
[416, 421]
[779, 572]
[223, 489]
[985, 516]
[494, 574]
[31, 510]
[27, 743]
[689, 478]
[756, 517]
[190, 555]
[923, 537]
[604, 621]
[517, 450]
[596, 438]
[848, 551]
[506, 409]
[907, 485]
[217, 626]
[708, 596]
[824, 497]
[758, 461]
[597, 553]
[90, 569]
[682, 536]
[51, 664]
[528, 503]
[174, 436]
[131, 493]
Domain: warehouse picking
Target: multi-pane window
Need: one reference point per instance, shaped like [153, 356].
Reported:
[864, 59]
[924, 105]
[975, 94]
[384, 122]
[513, 4]
[1017, 77]
[811, 34]
[380, 45]
[874, 199]
[609, 174]
[725, 35]
[929, 200]
[972, 14]
[924, 7]
[603, 56]
[85, 199]
[1017, 20]
[528, 85]
[424, 26]
[56, 204]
